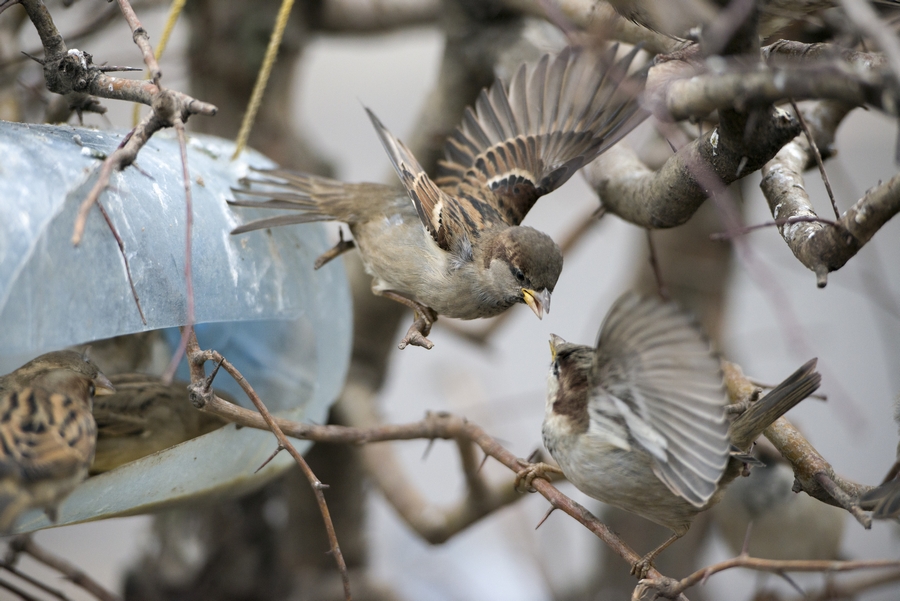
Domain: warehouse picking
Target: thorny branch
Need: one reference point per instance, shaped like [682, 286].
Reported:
[71, 73]
[449, 427]
[670, 589]
[201, 393]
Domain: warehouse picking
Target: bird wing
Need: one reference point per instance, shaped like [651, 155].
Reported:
[654, 370]
[556, 117]
[452, 222]
[44, 435]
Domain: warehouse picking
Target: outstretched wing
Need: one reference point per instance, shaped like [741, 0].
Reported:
[653, 369]
[449, 220]
[556, 117]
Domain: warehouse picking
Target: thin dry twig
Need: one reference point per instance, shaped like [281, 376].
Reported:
[25, 544]
[188, 253]
[9, 566]
[201, 389]
[818, 156]
[671, 589]
[776, 222]
[121, 244]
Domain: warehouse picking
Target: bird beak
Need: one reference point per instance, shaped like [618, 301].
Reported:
[555, 342]
[538, 301]
[102, 386]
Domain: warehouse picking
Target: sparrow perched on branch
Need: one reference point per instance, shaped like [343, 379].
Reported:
[458, 249]
[639, 422]
[47, 432]
[145, 416]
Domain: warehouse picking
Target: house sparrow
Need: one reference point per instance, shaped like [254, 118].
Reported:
[884, 500]
[785, 524]
[47, 432]
[145, 416]
[457, 249]
[639, 422]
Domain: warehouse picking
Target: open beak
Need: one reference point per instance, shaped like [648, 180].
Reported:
[538, 301]
[555, 342]
[102, 386]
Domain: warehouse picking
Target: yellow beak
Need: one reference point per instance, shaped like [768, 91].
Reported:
[538, 301]
[555, 342]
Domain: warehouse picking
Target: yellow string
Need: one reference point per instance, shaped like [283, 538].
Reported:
[263, 77]
[174, 13]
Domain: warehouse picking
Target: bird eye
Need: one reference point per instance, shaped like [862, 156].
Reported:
[91, 389]
[520, 275]
[555, 368]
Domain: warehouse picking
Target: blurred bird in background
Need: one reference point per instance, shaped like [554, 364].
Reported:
[47, 432]
[884, 500]
[639, 422]
[782, 524]
[144, 416]
[458, 248]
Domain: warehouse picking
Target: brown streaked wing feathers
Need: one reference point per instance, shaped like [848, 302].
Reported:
[448, 220]
[653, 357]
[520, 144]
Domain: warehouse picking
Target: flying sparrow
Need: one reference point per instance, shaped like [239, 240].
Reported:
[639, 422]
[47, 432]
[145, 416]
[458, 249]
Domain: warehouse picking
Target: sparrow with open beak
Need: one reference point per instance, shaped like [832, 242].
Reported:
[458, 248]
[47, 432]
[639, 420]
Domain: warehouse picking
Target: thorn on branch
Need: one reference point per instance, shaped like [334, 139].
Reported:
[278, 449]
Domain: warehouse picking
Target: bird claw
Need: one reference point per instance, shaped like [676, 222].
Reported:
[417, 333]
[530, 471]
[642, 566]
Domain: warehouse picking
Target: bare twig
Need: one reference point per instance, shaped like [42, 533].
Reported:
[200, 389]
[777, 222]
[671, 589]
[142, 39]
[818, 156]
[16, 590]
[188, 254]
[24, 544]
[12, 569]
[121, 244]
[435, 524]
[661, 288]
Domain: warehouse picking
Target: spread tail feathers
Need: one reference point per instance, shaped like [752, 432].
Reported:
[314, 198]
[761, 414]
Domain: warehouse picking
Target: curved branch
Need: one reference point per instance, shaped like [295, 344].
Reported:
[670, 196]
[820, 247]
